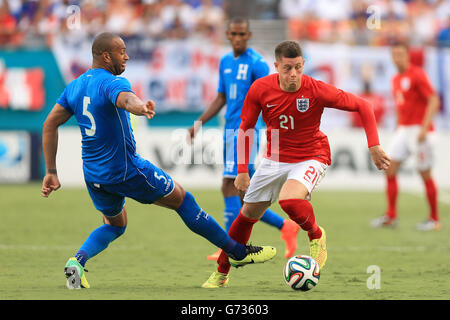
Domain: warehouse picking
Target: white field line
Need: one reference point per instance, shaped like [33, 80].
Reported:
[443, 196]
[31, 247]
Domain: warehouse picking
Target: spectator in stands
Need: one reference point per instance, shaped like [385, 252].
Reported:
[178, 18]
[422, 18]
[210, 19]
[7, 25]
[423, 22]
[362, 36]
[152, 23]
[120, 17]
[443, 38]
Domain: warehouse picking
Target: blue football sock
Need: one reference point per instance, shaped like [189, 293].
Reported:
[232, 209]
[204, 225]
[98, 240]
[272, 218]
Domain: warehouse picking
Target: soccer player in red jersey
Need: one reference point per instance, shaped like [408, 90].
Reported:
[297, 154]
[417, 103]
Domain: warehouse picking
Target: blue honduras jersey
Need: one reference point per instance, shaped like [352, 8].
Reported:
[108, 146]
[236, 77]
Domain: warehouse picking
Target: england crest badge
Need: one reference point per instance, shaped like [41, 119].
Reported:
[303, 104]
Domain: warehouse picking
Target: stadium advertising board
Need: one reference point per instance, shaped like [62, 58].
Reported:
[14, 157]
[30, 83]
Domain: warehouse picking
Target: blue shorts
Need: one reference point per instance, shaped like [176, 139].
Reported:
[148, 185]
[230, 153]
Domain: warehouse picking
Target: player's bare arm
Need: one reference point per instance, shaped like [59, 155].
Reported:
[130, 102]
[56, 117]
[432, 109]
[207, 115]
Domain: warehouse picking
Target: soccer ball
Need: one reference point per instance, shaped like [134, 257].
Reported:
[301, 273]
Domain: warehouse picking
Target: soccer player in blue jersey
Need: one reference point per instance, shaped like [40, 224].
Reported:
[238, 70]
[101, 103]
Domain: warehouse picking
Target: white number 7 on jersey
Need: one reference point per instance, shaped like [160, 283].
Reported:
[86, 101]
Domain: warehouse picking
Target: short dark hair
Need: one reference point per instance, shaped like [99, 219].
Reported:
[400, 43]
[288, 49]
[238, 20]
[103, 43]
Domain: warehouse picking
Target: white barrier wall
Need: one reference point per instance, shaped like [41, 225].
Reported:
[15, 157]
[166, 148]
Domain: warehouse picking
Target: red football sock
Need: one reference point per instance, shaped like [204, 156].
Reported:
[431, 191]
[391, 192]
[240, 230]
[301, 211]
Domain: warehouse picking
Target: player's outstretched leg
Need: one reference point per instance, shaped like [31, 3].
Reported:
[204, 225]
[232, 209]
[288, 228]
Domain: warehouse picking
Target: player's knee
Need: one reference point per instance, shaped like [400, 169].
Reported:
[175, 199]
[294, 207]
[425, 174]
[286, 206]
[120, 231]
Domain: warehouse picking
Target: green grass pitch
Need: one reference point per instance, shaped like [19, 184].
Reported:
[158, 258]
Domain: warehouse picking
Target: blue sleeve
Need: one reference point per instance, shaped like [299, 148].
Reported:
[221, 88]
[62, 100]
[261, 69]
[115, 86]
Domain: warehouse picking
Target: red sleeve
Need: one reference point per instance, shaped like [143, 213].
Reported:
[249, 116]
[423, 83]
[339, 99]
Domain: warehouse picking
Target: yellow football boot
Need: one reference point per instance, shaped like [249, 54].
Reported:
[75, 274]
[318, 249]
[216, 280]
[255, 255]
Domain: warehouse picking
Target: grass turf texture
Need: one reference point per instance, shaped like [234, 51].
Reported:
[158, 258]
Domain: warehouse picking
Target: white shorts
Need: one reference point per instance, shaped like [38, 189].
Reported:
[266, 183]
[404, 144]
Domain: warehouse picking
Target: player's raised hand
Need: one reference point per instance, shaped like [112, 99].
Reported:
[422, 135]
[49, 184]
[192, 131]
[379, 158]
[190, 135]
[242, 182]
[149, 109]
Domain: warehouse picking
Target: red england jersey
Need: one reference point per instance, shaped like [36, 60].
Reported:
[293, 119]
[411, 90]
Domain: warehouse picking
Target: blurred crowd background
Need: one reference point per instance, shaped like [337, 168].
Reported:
[354, 22]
